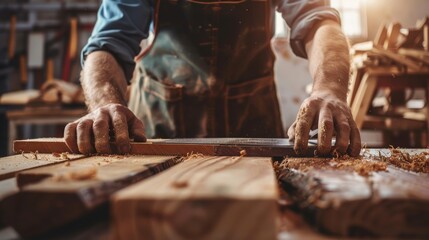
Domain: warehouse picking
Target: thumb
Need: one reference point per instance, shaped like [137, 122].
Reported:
[291, 132]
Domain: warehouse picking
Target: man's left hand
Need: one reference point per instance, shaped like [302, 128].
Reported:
[330, 114]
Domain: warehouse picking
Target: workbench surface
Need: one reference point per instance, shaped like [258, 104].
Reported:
[385, 193]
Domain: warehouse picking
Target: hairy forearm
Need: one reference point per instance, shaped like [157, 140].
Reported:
[103, 81]
[329, 61]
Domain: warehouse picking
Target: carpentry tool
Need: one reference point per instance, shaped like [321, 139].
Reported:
[267, 147]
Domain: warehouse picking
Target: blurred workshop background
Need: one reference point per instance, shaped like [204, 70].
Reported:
[41, 40]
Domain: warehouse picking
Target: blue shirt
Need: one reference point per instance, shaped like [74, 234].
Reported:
[122, 24]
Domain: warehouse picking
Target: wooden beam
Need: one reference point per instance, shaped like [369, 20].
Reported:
[255, 147]
[201, 198]
[53, 196]
[388, 204]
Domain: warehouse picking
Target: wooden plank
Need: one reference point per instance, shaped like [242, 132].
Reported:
[393, 33]
[380, 37]
[64, 193]
[254, 147]
[388, 204]
[201, 198]
[10, 166]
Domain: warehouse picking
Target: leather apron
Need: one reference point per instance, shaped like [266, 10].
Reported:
[209, 71]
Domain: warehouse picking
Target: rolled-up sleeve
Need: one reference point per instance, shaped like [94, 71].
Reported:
[301, 16]
[120, 27]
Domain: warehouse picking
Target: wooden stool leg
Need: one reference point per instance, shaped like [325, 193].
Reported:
[363, 99]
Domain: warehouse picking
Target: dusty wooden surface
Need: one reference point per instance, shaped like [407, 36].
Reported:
[55, 195]
[10, 166]
[266, 147]
[344, 201]
[334, 202]
[201, 198]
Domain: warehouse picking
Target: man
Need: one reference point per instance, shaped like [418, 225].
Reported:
[209, 73]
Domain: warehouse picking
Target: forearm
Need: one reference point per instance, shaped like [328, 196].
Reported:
[103, 81]
[329, 61]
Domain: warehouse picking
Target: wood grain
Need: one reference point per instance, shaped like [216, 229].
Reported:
[253, 147]
[201, 198]
[10, 166]
[53, 196]
[388, 204]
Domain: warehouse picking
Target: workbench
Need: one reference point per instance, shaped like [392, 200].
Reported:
[42, 116]
[383, 193]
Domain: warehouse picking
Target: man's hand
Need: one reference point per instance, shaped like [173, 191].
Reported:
[326, 108]
[90, 133]
[104, 85]
[330, 115]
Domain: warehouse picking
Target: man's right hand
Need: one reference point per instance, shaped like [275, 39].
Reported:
[90, 134]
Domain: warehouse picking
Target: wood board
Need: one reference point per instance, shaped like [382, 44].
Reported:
[201, 198]
[53, 196]
[255, 147]
[10, 166]
[388, 204]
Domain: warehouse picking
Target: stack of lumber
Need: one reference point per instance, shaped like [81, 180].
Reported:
[390, 75]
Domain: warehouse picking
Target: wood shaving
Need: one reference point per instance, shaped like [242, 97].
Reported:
[243, 153]
[84, 174]
[23, 155]
[79, 175]
[34, 155]
[418, 162]
[64, 156]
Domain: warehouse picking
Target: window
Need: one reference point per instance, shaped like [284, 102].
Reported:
[353, 16]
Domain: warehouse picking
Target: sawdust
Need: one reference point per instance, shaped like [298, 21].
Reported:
[191, 155]
[418, 162]
[360, 166]
[62, 156]
[364, 165]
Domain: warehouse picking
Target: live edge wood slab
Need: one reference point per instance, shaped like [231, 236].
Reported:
[53, 196]
[201, 198]
[389, 204]
[254, 147]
